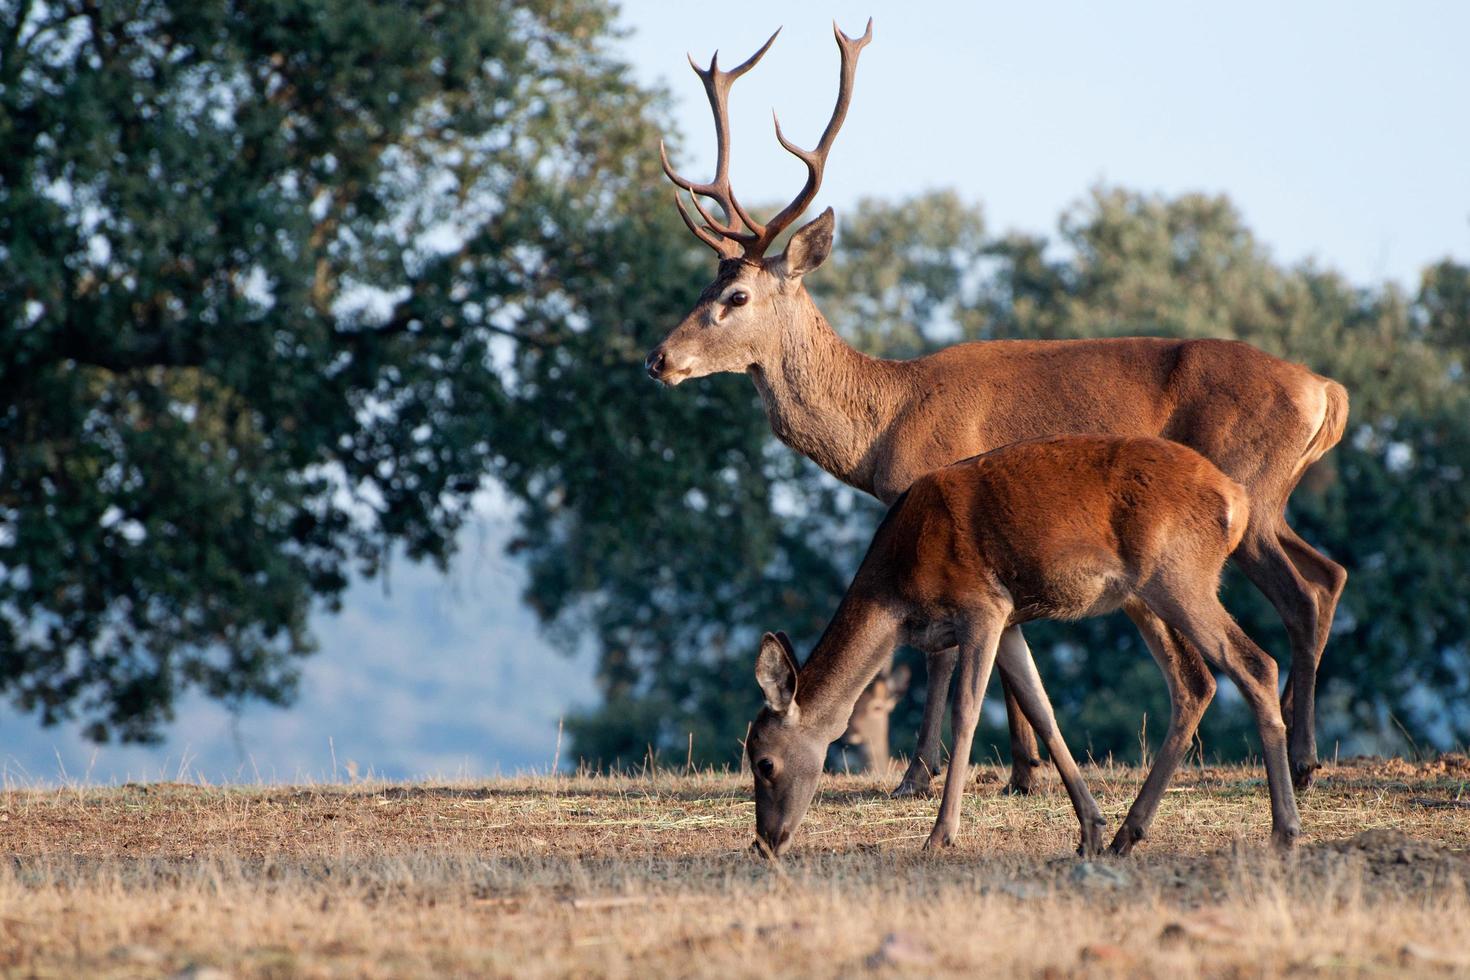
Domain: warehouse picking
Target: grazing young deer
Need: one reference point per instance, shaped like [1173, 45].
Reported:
[867, 727]
[878, 424]
[1059, 528]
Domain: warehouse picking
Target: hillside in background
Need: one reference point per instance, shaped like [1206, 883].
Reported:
[434, 673]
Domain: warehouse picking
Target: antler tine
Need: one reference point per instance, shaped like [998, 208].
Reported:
[728, 236]
[724, 246]
[816, 158]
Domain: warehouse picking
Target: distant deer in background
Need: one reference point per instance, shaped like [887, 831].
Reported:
[867, 728]
[879, 424]
[1058, 528]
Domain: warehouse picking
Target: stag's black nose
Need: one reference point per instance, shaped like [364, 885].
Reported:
[654, 363]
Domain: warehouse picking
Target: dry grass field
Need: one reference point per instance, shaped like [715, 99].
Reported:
[638, 876]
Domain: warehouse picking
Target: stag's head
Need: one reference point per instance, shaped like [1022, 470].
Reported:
[738, 320]
[786, 751]
[867, 728]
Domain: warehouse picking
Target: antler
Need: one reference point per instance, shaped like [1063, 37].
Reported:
[816, 159]
[725, 237]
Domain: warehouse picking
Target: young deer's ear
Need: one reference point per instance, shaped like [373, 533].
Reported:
[809, 246]
[775, 671]
[898, 681]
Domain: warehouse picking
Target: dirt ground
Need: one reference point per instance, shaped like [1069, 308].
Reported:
[649, 875]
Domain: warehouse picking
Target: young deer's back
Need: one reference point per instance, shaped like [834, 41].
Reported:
[1058, 528]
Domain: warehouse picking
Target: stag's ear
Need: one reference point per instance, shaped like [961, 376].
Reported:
[775, 671]
[898, 681]
[809, 247]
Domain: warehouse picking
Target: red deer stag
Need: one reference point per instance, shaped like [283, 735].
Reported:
[878, 424]
[1059, 528]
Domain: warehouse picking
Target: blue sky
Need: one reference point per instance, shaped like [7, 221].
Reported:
[1339, 129]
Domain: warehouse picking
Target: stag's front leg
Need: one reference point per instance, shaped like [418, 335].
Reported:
[918, 780]
[976, 657]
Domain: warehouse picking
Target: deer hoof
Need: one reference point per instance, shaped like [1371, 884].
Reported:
[1091, 842]
[912, 788]
[1304, 774]
[1124, 840]
[1023, 778]
[917, 782]
[938, 839]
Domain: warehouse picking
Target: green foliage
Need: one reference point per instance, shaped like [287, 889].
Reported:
[263, 265]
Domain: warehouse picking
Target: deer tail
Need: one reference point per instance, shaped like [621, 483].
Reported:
[1236, 514]
[1334, 423]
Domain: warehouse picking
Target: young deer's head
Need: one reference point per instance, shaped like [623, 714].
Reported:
[867, 729]
[786, 752]
[740, 317]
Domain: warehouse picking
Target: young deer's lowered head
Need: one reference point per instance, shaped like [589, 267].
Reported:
[741, 316]
[785, 754]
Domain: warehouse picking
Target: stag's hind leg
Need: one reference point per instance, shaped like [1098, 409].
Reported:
[1190, 689]
[1203, 623]
[1266, 560]
[1018, 672]
[1327, 579]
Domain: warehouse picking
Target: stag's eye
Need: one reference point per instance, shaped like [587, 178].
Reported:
[766, 768]
[738, 298]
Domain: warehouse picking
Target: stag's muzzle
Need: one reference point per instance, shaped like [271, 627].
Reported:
[655, 363]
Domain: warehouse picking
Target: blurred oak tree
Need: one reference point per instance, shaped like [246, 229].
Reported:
[283, 283]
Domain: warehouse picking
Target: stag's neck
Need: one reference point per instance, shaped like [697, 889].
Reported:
[830, 402]
[857, 644]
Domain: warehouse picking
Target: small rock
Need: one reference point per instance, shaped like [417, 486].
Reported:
[1024, 890]
[1411, 954]
[1091, 874]
[133, 953]
[198, 971]
[1173, 934]
[1204, 928]
[1103, 953]
[901, 948]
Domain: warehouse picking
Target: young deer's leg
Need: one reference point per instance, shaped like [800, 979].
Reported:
[918, 780]
[1190, 689]
[1018, 672]
[1025, 759]
[1264, 559]
[1206, 625]
[976, 657]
